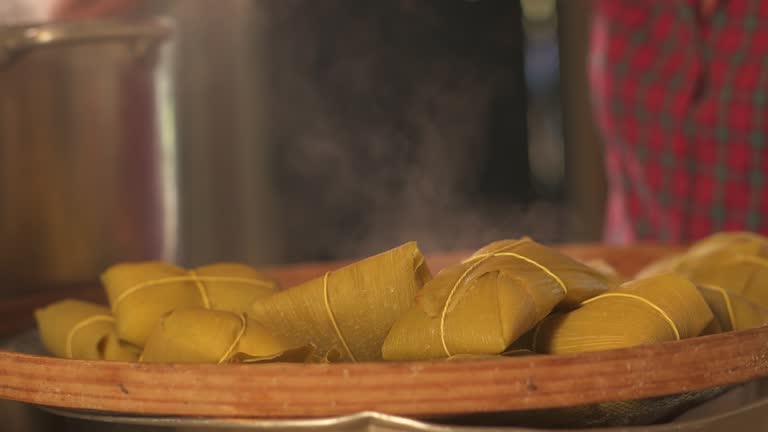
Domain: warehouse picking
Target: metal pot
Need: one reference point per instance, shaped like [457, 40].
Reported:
[87, 163]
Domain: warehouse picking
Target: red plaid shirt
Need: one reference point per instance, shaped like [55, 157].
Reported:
[682, 103]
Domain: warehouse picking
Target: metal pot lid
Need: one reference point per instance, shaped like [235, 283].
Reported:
[16, 40]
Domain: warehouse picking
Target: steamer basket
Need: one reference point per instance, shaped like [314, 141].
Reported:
[669, 378]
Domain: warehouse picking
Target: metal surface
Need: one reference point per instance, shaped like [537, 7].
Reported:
[87, 164]
[743, 408]
[228, 199]
[17, 40]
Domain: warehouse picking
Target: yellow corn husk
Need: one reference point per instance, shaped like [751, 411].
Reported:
[81, 330]
[729, 243]
[655, 309]
[483, 320]
[483, 304]
[664, 265]
[137, 311]
[732, 311]
[741, 274]
[714, 327]
[349, 311]
[607, 270]
[229, 295]
[140, 293]
[197, 335]
[583, 281]
[708, 252]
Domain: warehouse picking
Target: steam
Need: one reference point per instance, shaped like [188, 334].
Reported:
[381, 137]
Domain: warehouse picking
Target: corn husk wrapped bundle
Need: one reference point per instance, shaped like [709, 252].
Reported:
[81, 330]
[709, 251]
[746, 275]
[480, 306]
[582, 281]
[347, 313]
[606, 269]
[140, 293]
[728, 243]
[197, 335]
[234, 287]
[651, 310]
[732, 311]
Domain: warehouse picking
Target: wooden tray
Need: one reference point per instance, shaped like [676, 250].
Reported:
[419, 389]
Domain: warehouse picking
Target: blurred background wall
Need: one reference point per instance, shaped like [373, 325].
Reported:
[314, 130]
[302, 130]
[307, 131]
[317, 130]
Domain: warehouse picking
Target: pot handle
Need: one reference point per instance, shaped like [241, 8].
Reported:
[16, 41]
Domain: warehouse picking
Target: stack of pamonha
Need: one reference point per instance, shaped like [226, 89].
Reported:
[509, 295]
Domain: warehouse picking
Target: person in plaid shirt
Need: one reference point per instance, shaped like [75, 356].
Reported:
[681, 97]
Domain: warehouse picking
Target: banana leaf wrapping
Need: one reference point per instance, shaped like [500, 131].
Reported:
[480, 306]
[347, 313]
[709, 251]
[81, 330]
[198, 335]
[140, 293]
[644, 311]
[732, 311]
